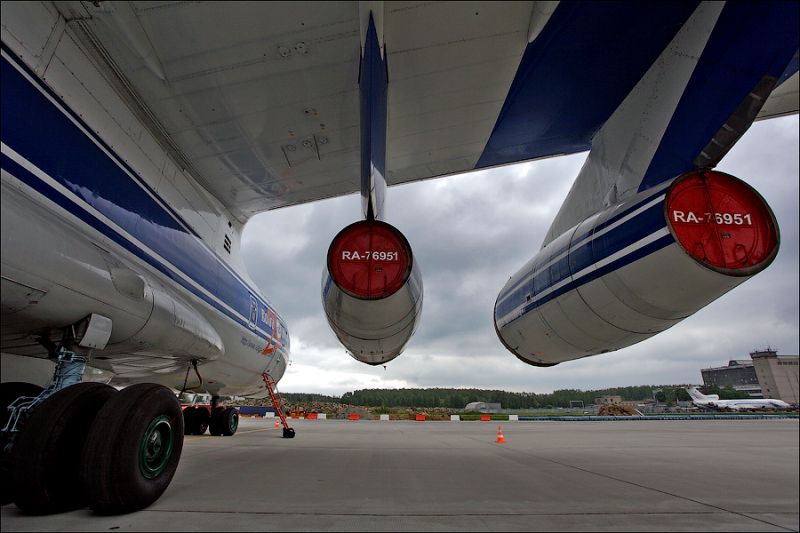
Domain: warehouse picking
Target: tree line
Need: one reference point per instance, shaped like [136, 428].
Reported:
[459, 398]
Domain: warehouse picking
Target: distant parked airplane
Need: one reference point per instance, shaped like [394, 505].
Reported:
[713, 401]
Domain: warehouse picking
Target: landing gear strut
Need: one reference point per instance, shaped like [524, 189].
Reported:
[9, 393]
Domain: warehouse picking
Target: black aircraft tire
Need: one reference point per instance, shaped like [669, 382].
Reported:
[231, 419]
[9, 392]
[133, 449]
[45, 460]
[202, 420]
[215, 424]
[224, 421]
[190, 420]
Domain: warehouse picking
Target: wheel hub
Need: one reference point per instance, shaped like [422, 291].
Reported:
[155, 450]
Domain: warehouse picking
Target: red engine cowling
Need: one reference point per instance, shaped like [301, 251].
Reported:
[372, 291]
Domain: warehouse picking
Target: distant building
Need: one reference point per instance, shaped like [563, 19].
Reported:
[608, 400]
[483, 407]
[778, 375]
[739, 374]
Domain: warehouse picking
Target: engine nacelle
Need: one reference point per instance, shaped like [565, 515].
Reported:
[636, 269]
[372, 291]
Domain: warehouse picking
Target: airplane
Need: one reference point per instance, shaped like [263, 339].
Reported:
[139, 138]
[713, 401]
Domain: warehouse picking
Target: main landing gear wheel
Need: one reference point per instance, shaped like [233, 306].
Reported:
[45, 460]
[195, 420]
[9, 392]
[133, 449]
[224, 421]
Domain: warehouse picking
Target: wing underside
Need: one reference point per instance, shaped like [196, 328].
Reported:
[260, 103]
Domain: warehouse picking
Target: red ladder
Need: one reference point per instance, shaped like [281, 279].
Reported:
[274, 395]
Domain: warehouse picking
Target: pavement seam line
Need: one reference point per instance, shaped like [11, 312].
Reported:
[422, 515]
[607, 476]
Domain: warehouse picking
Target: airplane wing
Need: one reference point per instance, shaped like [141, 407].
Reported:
[260, 103]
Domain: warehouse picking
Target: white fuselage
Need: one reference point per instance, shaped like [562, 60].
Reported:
[98, 218]
[741, 405]
[713, 401]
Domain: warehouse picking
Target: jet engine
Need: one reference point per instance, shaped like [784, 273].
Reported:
[636, 269]
[372, 290]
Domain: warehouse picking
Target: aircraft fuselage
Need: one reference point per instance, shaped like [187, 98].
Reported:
[94, 222]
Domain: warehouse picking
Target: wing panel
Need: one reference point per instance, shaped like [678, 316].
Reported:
[691, 106]
[784, 100]
[259, 101]
[576, 73]
[729, 70]
[450, 66]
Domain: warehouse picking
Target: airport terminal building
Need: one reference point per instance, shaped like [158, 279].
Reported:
[740, 374]
[778, 375]
[765, 375]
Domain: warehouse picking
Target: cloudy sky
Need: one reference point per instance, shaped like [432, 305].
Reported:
[470, 233]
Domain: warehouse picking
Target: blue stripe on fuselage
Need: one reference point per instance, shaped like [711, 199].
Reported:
[70, 206]
[44, 135]
[577, 239]
[591, 252]
[634, 256]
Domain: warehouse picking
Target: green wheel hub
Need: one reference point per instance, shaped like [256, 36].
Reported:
[233, 421]
[155, 450]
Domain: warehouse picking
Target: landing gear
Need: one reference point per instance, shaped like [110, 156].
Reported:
[12, 390]
[9, 392]
[224, 421]
[75, 444]
[88, 444]
[46, 457]
[133, 449]
[68, 371]
[195, 420]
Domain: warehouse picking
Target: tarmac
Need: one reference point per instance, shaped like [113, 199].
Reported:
[709, 475]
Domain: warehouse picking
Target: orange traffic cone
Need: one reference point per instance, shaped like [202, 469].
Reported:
[500, 438]
[277, 424]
